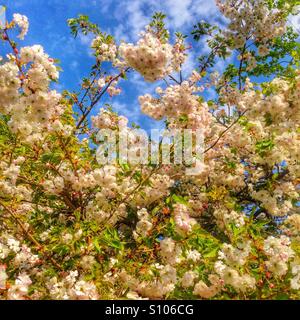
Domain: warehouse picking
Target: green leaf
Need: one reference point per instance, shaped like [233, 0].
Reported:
[96, 245]
[179, 199]
[282, 296]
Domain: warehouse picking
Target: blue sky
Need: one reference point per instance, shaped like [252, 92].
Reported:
[122, 18]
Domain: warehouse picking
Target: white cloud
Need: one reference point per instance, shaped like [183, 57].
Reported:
[85, 39]
[58, 87]
[294, 21]
[179, 12]
[190, 63]
[133, 15]
[74, 64]
[130, 111]
[133, 113]
[205, 9]
[120, 34]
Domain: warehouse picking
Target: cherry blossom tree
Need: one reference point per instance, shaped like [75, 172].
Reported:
[73, 228]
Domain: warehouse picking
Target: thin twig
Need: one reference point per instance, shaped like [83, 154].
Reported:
[30, 237]
[223, 132]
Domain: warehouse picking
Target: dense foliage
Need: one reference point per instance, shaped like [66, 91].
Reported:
[71, 228]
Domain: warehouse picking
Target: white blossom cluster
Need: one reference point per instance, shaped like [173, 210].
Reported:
[231, 276]
[184, 223]
[252, 19]
[170, 251]
[151, 57]
[19, 289]
[227, 267]
[22, 22]
[9, 85]
[235, 256]
[35, 110]
[106, 120]
[180, 105]
[8, 185]
[160, 184]
[105, 51]
[295, 281]
[23, 259]
[279, 253]
[225, 218]
[204, 291]
[72, 288]
[188, 279]
[155, 289]
[143, 225]
[292, 226]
